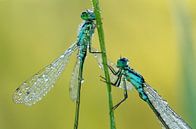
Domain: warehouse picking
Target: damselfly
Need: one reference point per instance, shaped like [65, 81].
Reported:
[33, 89]
[126, 75]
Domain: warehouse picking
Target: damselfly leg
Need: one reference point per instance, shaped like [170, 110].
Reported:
[117, 84]
[125, 95]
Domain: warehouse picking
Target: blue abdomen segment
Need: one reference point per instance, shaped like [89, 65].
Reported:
[137, 81]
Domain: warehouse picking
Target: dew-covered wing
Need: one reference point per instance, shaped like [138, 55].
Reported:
[170, 118]
[33, 89]
[74, 84]
[112, 76]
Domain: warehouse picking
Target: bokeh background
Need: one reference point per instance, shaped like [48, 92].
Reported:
[156, 35]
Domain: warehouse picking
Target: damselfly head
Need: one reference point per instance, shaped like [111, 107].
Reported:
[88, 15]
[122, 62]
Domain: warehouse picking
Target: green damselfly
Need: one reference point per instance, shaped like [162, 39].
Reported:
[125, 77]
[33, 89]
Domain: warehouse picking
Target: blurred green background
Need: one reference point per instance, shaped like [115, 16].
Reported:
[150, 33]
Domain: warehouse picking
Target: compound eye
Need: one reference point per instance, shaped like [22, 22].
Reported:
[84, 15]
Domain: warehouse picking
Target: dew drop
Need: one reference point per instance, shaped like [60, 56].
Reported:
[82, 81]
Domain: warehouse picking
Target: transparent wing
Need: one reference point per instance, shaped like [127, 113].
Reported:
[73, 90]
[33, 89]
[173, 120]
[112, 76]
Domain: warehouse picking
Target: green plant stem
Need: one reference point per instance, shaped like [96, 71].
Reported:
[104, 59]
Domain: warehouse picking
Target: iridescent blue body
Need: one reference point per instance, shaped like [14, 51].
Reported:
[136, 80]
[84, 37]
[85, 33]
[133, 77]
[168, 117]
[83, 42]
